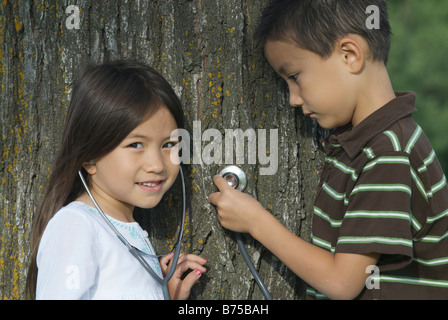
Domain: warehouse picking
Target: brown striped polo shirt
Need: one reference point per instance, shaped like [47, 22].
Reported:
[382, 190]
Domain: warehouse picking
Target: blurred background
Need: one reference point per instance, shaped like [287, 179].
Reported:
[418, 62]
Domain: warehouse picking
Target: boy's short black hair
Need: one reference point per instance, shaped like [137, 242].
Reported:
[316, 25]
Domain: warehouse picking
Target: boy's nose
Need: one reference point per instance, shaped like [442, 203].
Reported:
[295, 100]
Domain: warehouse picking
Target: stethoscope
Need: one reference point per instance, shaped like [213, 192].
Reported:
[237, 179]
[135, 252]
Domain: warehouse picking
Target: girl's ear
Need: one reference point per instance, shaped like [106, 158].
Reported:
[90, 167]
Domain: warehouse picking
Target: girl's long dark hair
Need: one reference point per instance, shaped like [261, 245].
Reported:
[108, 102]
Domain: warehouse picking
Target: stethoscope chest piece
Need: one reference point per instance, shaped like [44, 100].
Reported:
[235, 177]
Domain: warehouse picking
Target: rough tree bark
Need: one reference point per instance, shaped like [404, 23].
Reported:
[205, 50]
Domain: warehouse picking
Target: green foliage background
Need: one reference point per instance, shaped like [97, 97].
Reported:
[418, 62]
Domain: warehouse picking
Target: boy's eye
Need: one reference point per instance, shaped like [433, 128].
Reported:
[293, 77]
[136, 145]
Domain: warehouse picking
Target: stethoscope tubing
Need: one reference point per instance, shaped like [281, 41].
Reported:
[239, 183]
[250, 265]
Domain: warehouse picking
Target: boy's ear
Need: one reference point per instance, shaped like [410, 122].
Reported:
[90, 167]
[352, 51]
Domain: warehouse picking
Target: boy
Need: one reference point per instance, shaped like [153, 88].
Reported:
[382, 202]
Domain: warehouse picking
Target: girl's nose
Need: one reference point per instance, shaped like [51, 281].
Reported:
[154, 162]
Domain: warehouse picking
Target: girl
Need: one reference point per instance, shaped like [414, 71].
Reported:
[118, 132]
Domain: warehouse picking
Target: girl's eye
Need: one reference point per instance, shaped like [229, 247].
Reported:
[136, 145]
[170, 144]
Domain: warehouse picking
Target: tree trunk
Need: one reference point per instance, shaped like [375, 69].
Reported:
[205, 50]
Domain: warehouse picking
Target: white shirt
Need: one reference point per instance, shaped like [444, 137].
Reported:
[80, 257]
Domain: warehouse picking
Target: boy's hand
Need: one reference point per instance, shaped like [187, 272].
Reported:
[338, 276]
[237, 211]
[180, 289]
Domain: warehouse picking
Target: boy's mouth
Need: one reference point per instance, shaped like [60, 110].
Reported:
[311, 115]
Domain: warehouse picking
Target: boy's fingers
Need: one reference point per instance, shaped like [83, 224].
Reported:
[221, 183]
[213, 198]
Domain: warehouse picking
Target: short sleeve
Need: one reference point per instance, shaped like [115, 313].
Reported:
[67, 258]
[378, 216]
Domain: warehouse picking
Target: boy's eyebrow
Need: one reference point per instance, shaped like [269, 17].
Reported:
[282, 69]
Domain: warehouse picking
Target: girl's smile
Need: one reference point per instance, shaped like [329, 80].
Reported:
[151, 186]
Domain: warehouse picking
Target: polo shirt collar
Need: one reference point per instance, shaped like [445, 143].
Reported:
[354, 140]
